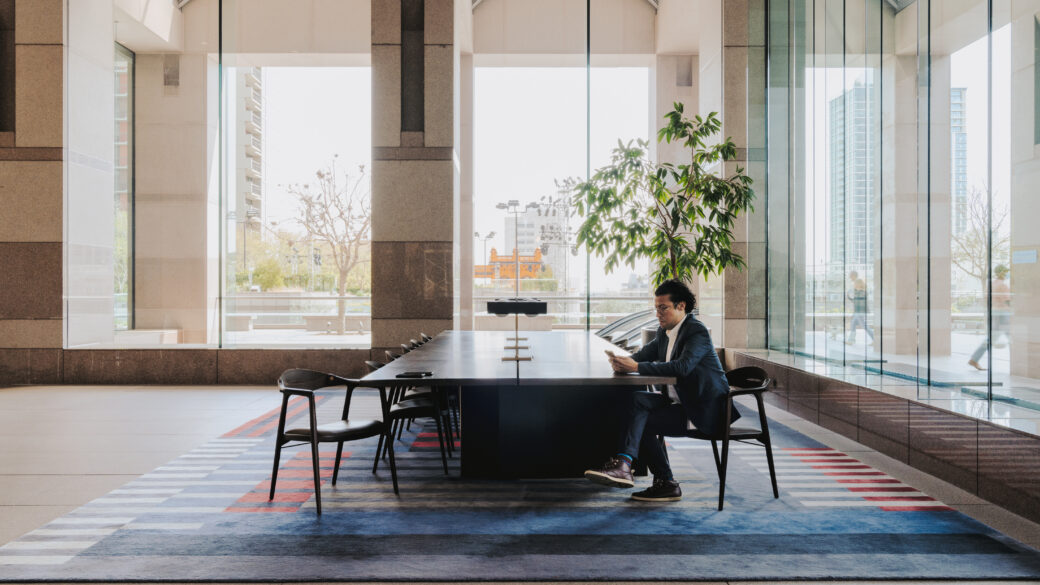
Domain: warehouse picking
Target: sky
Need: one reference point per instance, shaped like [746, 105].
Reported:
[303, 131]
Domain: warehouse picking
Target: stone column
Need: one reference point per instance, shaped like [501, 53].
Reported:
[743, 119]
[414, 178]
[176, 211]
[31, 183]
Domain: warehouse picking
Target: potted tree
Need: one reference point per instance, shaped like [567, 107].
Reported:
[680, 217]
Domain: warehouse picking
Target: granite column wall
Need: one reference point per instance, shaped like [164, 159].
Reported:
[414, 176]
[31, 190]
[744, 120]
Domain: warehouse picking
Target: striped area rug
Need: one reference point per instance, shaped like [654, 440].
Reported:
[205, 516]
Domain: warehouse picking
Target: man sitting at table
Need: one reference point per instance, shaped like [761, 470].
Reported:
[682, 348]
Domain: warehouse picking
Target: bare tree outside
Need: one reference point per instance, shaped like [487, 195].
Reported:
[338, 212]
[970, 248]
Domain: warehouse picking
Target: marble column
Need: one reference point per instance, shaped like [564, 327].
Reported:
[31, 191]
[414, 176]
[743, 119]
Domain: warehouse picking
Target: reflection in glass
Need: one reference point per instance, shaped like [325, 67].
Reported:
[122, 253]
[916, 181]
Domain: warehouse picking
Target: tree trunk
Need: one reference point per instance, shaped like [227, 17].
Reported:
[341, 305]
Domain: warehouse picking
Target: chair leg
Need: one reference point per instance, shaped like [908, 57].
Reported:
[715, 452]
[317, 475]
[279, 441]
[379, 450]
[769, 458]
[274, 472]
[393, 468]
[722, 471]
[335, 470]
[440, 439]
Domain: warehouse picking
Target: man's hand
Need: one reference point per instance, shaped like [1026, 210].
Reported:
[624, 365]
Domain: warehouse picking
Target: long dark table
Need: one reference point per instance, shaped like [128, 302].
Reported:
[553, 416]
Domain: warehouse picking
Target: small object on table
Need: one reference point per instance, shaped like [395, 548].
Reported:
[515, 306]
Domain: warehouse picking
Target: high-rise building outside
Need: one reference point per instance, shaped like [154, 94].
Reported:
[852, 177]
[959, 158]
[250, 116]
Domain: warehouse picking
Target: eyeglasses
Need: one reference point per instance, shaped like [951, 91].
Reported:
[663, 308]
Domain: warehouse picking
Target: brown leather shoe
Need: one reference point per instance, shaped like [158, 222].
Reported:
[663, 490]
[616, 472]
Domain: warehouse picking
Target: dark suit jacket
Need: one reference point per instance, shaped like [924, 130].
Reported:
[702, 386]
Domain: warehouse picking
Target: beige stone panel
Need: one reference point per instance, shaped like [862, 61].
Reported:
[201, 26]
[386, 22]
[735, 333]
[439, 22]
[171, 158]
[170, 230]
[438, 104]
[622, 27]
[42, 333]
[342, 26]
[393, 332]
[31, 199]
[38, 95]
[735, 22]
[412, 200]
[734, 117]
[386, 95]
[736, 287]
[412, 280]
[530, 27]
[39, 22]
[154, 104]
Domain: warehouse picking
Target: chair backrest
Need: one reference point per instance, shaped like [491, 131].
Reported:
[424, 337]
[391, 356]
[748, 377]
[300, 379]
[415, 343]
[373, 365]
[405, 348]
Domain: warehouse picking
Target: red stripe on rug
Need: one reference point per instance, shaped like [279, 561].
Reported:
[288, 416]
[829, 460]
[288, 484]
[279, 498]
[881, 489]
[806, 449]
[916, 508]
[301, 473]
[866, 480]
[272, 509]
[839, 473]
[260, 419]
[899, 498]
[840, 466]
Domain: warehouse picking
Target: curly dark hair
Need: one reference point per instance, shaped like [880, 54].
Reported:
[677, 292]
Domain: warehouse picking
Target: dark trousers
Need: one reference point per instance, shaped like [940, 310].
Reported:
[649, 414]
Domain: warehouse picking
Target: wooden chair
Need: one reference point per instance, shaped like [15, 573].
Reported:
[298, 382]
[742, 381]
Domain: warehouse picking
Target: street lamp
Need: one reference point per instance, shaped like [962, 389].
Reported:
[486, 238]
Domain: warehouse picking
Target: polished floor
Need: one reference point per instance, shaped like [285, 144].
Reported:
[62, 446]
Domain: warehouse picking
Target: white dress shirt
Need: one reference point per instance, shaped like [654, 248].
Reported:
[673, 334]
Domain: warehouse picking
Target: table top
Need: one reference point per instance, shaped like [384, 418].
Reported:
[475, 358]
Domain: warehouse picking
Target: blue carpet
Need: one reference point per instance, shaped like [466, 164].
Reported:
[205, 517]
